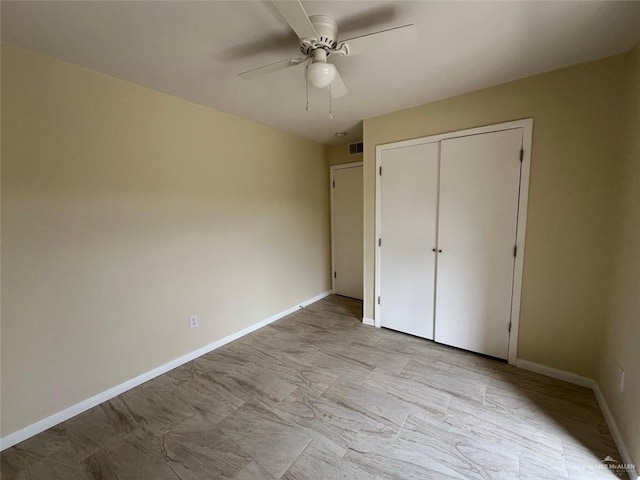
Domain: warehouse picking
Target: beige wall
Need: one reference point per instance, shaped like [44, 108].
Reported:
[339, 154]
[576, 114]
[124, 211]
[0, 239]
[622, 321]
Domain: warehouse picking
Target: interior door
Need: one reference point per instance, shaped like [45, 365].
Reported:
[347, 231]
[478, 212]
[408, 195]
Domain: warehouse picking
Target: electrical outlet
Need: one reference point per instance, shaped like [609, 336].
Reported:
[620, 378]
[193, 321]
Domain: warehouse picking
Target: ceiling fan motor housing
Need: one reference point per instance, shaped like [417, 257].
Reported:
[327, 39]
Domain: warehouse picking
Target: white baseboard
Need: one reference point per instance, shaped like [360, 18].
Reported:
[615, 432]
[59, 417]
[368, 321]
[593, 385]
[555, 373]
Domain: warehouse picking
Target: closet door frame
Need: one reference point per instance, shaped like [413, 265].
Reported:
[527, 132]
[332, 170]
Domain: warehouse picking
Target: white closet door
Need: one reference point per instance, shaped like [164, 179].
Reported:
[408, 190]
[347, 231]
[479, 188]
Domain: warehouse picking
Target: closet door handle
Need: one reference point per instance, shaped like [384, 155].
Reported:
[433, 249]
[439, 251]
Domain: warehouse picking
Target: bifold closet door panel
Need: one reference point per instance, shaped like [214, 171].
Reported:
[408, 195]
[347, 234]
[479, 188]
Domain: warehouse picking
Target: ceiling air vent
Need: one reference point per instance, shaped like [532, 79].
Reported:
[356, 148]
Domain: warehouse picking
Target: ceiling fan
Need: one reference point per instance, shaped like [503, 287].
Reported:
[319, 40]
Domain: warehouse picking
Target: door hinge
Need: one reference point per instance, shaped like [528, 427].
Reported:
[335, 274]
[380, 170]
[380, 242]
[509, 327]
[521, 154]
[379, 299]
[334, 184]
[515, 250]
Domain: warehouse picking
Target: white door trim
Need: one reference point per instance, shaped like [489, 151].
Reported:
[527, 126]
[332, 170]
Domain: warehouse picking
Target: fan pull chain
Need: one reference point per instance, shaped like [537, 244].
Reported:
[306, 82]
[330, 109]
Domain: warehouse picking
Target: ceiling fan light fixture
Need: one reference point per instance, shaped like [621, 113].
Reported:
[321, 74]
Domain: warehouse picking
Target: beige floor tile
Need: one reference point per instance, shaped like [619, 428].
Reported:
[318, 395]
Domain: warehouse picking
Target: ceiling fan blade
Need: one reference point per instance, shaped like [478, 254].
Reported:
[293, 12]
[338, 88]
[370, 18]
[273, 67]
[373, 42]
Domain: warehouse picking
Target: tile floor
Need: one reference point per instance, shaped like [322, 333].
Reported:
[318, 395]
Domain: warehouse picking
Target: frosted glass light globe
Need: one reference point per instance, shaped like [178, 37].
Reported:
[321, 74]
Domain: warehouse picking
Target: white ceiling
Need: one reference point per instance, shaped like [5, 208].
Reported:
[194, 50]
